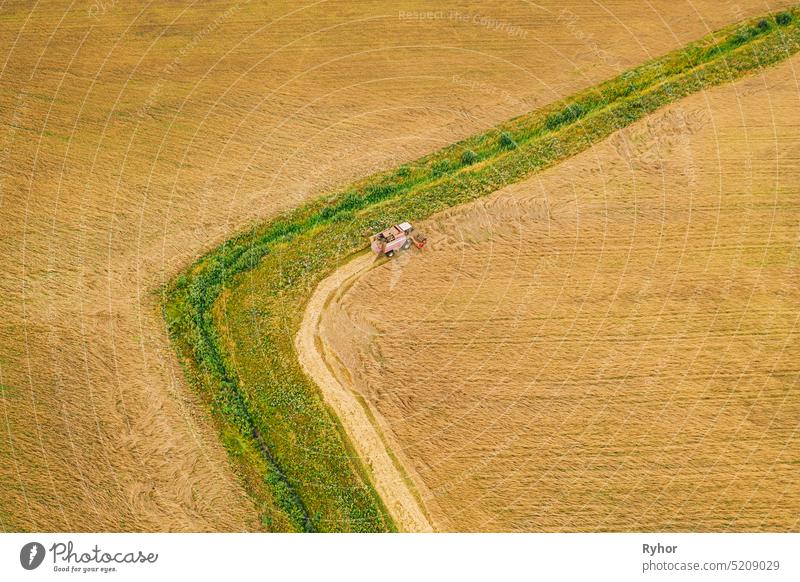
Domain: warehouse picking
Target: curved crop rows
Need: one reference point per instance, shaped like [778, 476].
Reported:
[233, 315]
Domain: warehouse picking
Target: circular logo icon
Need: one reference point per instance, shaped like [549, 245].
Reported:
[31, 555]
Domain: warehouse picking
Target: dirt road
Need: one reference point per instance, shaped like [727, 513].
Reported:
[389, 476]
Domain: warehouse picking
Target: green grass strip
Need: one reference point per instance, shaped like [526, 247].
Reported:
[233, 315]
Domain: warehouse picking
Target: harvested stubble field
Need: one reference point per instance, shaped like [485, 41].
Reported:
[610, 345]
[137, 137]
[233, 315]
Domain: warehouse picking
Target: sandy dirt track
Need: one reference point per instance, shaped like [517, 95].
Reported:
[610, 345]
[388, 475]
[136, 136]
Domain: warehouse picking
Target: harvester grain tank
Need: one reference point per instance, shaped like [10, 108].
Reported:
[396, 238]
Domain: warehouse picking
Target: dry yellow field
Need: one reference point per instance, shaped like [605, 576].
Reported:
[610, 345]
[134, 137]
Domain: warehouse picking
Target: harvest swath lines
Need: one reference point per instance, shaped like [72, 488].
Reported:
[233, 314]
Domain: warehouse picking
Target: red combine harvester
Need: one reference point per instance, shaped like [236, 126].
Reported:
[398, 237]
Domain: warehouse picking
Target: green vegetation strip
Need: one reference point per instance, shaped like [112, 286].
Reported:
[233, 315]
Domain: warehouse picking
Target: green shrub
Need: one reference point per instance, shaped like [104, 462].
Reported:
[747, 33]
[784, 18]
[468, 158]
[507, 141]
[571, 113]
[440, 168]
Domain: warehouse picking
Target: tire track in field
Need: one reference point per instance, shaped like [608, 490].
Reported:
[388, 474]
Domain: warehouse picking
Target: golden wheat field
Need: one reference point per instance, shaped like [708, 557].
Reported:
[610, 345]
[136, 136]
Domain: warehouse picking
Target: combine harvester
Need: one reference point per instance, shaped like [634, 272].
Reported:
[394, 238]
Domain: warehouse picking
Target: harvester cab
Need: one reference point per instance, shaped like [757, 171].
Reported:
[395, 238]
